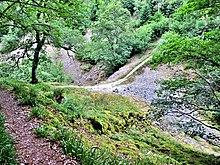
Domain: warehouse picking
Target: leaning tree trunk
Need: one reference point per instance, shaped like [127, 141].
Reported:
[40, 43]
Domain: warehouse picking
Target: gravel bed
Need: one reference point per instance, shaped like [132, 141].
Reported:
[143, 88]
[144, 85]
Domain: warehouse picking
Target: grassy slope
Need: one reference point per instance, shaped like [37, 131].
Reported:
[102, 128]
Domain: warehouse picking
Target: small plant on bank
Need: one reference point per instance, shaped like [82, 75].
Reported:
[40, 112]
[7, 150]
[86, 67]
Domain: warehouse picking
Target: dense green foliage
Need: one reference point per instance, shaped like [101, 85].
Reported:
[108, 42]
[200, 7]
[194, 41]
[33, 24]
[7, 149]
[102, 128]
[152, 7]
[116, 36]
[48, 70]
[116, 29]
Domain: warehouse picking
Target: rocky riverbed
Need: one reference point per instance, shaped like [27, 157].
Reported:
[144, 85]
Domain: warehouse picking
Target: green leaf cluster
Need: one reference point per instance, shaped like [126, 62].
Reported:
[193, 41]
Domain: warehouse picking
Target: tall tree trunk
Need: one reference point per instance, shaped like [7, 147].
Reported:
[40, 43]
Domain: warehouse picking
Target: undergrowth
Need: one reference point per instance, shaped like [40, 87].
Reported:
[7, 149]
[102, 128]
[48, 71]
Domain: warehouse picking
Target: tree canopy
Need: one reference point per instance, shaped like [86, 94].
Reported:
[195, 92]
[32, 24]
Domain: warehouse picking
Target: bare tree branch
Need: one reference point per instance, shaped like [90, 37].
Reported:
[209, 83]
[198, 120]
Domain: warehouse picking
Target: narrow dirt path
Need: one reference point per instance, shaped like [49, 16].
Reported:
[31, 150]
[109, 86]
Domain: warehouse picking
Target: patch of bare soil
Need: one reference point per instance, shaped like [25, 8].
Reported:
[73, 67]
[31, 150]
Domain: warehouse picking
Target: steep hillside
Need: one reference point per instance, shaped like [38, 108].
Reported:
[99, 128]
[110, 82]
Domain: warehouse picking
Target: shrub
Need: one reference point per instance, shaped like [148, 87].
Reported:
[154, 7]
[168, 8]
[142, 38]
[159, 28]
[146, 13]
[101, 52]
[130, 5]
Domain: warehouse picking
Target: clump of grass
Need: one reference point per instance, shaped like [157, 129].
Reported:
[28, 94]
[216, 148]
[7, 150]
[73, 146]
[40, 112]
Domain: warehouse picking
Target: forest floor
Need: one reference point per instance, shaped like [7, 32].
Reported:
[31, 150]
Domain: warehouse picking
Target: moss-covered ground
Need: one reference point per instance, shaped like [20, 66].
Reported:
[102, 128]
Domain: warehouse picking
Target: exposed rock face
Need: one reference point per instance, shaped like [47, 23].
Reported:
[74, 68]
